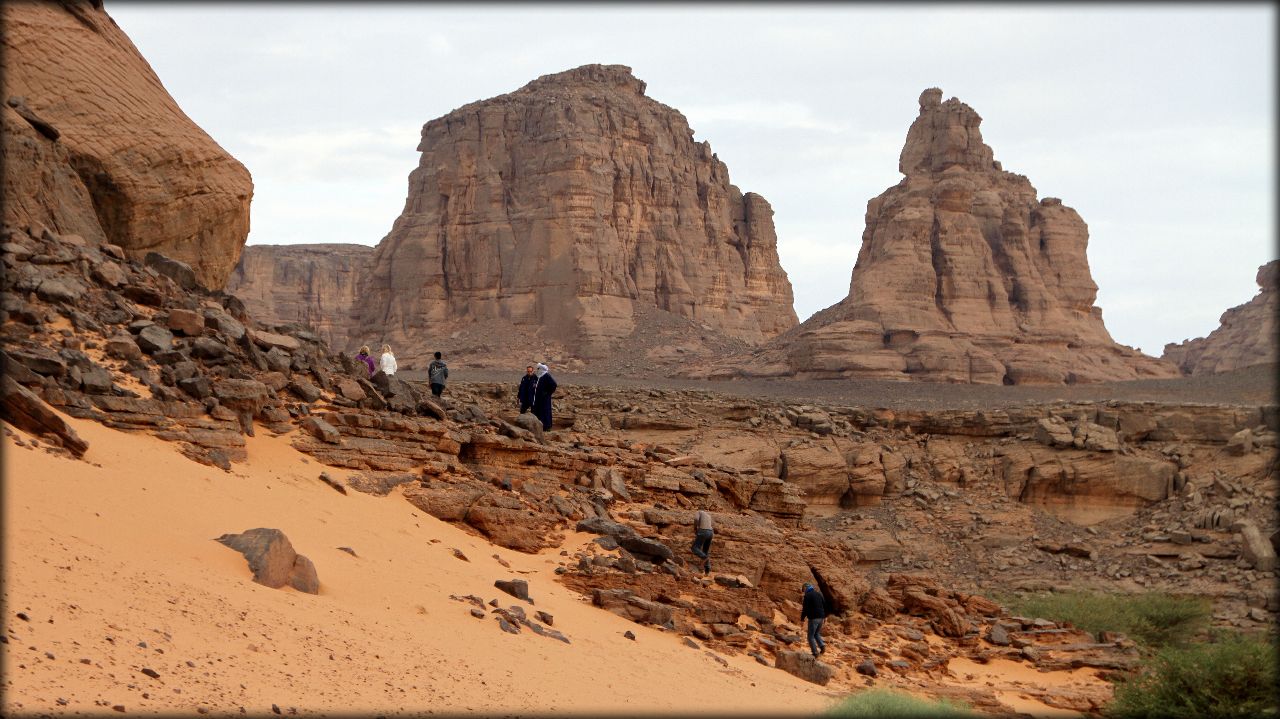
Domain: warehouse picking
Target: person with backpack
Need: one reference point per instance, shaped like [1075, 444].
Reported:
[525, 394]
[702, 534]
[542, 391]
[815, 610]
[367, 359]
[437, 373]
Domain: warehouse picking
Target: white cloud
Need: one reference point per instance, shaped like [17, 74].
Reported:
[780, 115]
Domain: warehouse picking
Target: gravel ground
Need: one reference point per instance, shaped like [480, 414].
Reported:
[1252, 386]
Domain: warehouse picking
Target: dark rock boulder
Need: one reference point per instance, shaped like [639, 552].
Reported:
[24, 410]
[176, 270]
[154, 338]
[517, 588]
[273, 560]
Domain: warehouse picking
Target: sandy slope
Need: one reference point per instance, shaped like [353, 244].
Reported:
[112, 561]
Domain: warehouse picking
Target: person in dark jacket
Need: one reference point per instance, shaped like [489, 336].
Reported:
[542, 391]
[524, 395]
[367, 359]
[437, 373]
[815, 610]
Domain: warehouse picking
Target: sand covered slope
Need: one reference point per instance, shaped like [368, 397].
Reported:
[114, 565]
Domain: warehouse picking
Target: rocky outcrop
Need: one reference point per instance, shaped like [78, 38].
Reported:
[95, 147]
[963, 276]
[317, 286]
[1247, 336]
[566, 208]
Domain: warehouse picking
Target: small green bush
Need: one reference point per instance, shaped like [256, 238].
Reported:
[1152, 619]
[885, 703]
[1233, 676]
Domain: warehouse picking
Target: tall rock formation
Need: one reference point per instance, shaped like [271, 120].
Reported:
[963, 276]
[1247, 336]
[314, 285]
[94, 146]
[567, 209]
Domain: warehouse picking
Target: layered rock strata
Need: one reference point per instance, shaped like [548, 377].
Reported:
[565, 207]
[95, 147]
[932, 503]
[963, 276]
[318, 286]
[1247, 335]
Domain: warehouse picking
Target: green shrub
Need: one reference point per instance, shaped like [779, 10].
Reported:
[1152, 619]
[1233, 676]
[885, 703]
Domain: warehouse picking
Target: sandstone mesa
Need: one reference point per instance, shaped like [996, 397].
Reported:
[963, 276]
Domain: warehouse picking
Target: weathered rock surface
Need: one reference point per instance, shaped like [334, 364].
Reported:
[1247, 335]
[312, 285]
[95, 147]
[23, 409]
[273, 560]
[963, 276]
[567, 207]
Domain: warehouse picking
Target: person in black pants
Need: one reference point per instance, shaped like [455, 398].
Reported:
[525, 394]
[815, 610]
[702, 534]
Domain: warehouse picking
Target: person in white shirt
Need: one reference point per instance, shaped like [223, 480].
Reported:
[388, 362]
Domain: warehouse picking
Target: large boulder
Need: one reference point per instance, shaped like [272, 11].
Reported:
[24, 410]
[803, 665]
[273, 560]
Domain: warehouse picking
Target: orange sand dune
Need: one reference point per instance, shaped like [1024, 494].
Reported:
[114, 564]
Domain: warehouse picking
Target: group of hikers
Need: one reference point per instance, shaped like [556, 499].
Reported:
[813, 609]
[533, 395]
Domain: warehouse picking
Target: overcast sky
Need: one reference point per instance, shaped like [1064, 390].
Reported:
[1155, 122]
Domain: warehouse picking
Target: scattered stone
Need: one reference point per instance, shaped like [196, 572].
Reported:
[867, 667]
[629, 635]
[324, 477]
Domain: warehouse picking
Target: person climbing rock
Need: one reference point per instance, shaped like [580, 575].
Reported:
[525, 394]
[364, 356]
[815, 610]
[388, 362]
[542, 391]
[702, 534]
[437, 373]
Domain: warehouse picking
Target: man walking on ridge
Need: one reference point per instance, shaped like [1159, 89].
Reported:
[702, 534]
[437, 373]
[815, 610]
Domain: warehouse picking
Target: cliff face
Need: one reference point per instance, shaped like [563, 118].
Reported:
[963, 276]
[567, 207]
[1247, 336]
[94, 146]
[314, 285]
